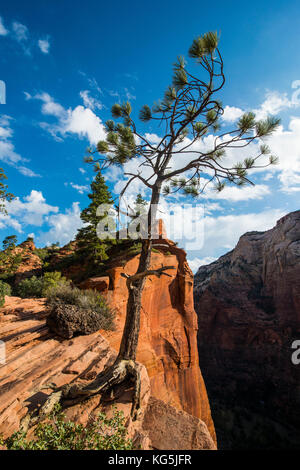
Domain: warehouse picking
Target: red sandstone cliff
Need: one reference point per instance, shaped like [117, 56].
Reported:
[167, 347]
[248, 305]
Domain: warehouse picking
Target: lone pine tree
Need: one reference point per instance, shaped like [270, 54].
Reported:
[88, 240]
[180, 160]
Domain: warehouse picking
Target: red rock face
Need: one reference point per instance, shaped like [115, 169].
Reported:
[248, 305]
[168, 335]
[35, 357]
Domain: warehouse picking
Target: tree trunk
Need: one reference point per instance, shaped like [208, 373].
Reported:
[129, 342]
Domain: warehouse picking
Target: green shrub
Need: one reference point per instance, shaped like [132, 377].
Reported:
[101, 434]
[31, 287]
[5, 289]
[39, 286]
[52, 280]
[42, 253]
[87, 300]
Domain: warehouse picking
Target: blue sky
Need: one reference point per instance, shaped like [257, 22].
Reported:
[65, 63]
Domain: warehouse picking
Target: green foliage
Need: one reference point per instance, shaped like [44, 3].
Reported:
[42, 253]
[9, 242]
[31, 287]
[123, 110]
[5, 289]
[220, 186]
[40, 286]
[179, 79]
[189, 108]
[273, 160]
[102, 433]
[211, 116]
[145, 114]
[9, 259]
[88, 241]
[87, 300]
[249, 162]
[4, 194]
[102, 146]
[267, 126]
[204, 45]
[247, 122]
[116, 111]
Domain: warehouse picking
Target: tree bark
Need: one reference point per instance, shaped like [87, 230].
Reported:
[129, 342]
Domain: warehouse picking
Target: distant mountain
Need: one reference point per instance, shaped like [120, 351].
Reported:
[248, 307]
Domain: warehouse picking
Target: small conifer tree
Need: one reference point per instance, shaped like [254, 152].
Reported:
[88, 240]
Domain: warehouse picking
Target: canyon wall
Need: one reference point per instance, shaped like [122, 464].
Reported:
[248, 306]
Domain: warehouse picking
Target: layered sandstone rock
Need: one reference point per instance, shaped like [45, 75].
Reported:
[35, 357]
[248, 305]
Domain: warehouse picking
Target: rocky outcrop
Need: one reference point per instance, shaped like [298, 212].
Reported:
[248, 306]
[35, 357]
[169, 428]
[168, 335]
[30, 264]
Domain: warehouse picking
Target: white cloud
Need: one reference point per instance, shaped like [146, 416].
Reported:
[49, 106]
[27, 172]
[82, 171]
[80, 121]
[64, 226]
[285, 145]
[89, 101]
[8, 221]
[231, 113]
[273, 104]
[222, 233]
[29, 211]
[7, 149]
[83, 122]
[44, 45]
[245, 193]
[80, 188]
[195, 263]
[3, 30]
[34, 210]
[20, 31]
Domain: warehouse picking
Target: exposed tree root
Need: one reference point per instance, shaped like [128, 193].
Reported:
[105, 383]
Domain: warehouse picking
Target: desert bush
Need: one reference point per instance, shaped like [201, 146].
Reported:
[31, 287]
[5, 289]
[52, 280]
[58, 434]
[39, 286]
[90, 304]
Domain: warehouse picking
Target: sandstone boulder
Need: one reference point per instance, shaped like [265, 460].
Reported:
[69, 320]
